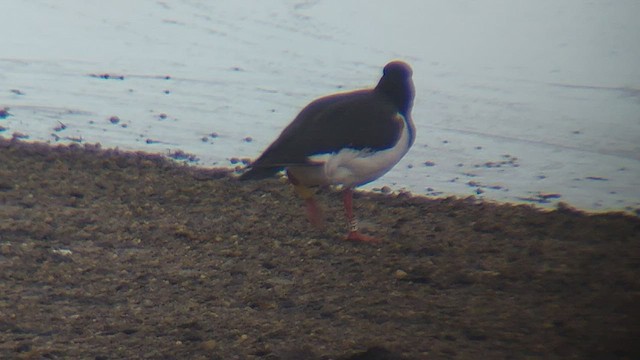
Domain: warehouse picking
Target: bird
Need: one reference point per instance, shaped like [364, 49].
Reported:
[346, 140]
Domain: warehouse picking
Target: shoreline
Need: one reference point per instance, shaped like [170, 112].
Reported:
[182, 159]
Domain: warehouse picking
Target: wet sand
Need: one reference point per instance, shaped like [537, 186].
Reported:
[107, 254]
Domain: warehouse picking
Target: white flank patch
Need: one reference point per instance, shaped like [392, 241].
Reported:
[351, 167]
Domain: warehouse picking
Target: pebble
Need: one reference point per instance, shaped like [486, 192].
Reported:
[209, 345]
[63, 252]
[400, 274]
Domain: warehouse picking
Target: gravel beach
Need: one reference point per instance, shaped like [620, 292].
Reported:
[107, 255]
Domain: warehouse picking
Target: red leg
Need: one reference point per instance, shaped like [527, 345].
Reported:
[314, 213]
[354, 234]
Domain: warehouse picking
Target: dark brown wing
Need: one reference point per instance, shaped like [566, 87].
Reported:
[358, 120]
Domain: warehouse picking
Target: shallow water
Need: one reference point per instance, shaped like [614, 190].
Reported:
[516, 101]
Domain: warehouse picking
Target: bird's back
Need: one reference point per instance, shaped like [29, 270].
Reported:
[328, 125]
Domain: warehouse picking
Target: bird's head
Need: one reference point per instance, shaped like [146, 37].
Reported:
[396, 83]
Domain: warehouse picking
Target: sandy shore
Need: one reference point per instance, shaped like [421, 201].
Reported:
[105, 255]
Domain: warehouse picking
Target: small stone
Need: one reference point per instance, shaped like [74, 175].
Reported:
[63, 252]
[114, 119]
[18, 135]
[400, 274]
[61, 126]
[4, 113]
[385, 190]
[209, 345]
[5, 248]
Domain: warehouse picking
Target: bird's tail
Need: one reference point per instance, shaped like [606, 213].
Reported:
[259, 173]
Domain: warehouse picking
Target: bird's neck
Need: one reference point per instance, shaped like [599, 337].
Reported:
[401, 93]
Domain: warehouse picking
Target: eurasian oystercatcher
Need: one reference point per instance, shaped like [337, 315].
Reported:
[346, 139]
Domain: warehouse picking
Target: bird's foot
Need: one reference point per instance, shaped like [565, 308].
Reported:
[356, 235]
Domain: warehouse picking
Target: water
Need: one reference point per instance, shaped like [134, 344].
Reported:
[517, 101]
